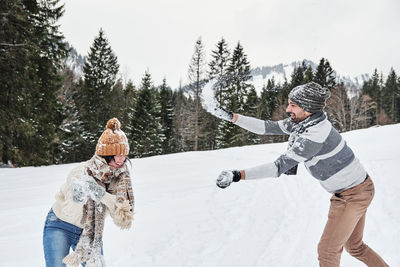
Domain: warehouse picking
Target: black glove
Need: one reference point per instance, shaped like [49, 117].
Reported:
[292, 171]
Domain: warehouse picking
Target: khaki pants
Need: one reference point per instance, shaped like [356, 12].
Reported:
[345, 227]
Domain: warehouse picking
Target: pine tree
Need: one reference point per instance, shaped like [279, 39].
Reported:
[251, 107]
[100, 71]
[297, 77]
[116, 103]
[239, 74]
[130, 98]
[325, 75]
[301, 74]
[196, 75]
[47, 115]
[219, 69]
[167, 114]
[71, 127]
[279, 112]
[373, 89]
[208, 130]
[382, 117]
[268, 100]
[101, 66]
[308, 75]
[251, 104]
[147, 134]
[15, 47]
[398, 100]
[31, 53]
[179, 140]
[267, 105]
[390, 96]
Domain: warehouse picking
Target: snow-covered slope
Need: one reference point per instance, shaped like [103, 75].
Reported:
[183, 219]
[280, 72]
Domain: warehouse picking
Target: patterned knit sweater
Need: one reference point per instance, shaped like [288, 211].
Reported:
[70, 211]
[324, 152]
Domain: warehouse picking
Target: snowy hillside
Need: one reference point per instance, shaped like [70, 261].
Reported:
[280, 72]
[183, 219]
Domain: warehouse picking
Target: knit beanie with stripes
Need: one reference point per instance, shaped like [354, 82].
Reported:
[310, 96]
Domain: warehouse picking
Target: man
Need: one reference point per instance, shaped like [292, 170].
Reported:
[327, 157]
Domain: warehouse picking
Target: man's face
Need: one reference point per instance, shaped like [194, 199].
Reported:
[297, 114]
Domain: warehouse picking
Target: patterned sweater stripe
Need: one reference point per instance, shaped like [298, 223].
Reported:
[302, 150]
[262, 127]
[332, 165]
[333, 157]
[322, 149]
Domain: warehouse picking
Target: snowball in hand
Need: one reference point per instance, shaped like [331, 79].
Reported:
[85, 187]
[211, 104]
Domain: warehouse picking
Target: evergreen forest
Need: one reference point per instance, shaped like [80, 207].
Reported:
[52, 116]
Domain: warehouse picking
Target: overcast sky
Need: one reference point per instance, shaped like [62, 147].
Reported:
[356, 36]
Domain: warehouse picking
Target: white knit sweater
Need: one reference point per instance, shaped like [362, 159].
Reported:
[70, 211]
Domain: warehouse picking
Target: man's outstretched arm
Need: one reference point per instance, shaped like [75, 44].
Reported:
[268, 170]
[254, 125]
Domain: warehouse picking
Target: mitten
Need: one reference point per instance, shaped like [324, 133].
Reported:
[85, 187]
[222, 113]
[227, 177]
[123, 215]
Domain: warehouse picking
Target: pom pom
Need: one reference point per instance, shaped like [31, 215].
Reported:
[113, 124]
[123, 215]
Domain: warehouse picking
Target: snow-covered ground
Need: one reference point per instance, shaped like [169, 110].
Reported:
[183, 219]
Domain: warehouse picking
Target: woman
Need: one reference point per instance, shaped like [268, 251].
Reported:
[94, 188]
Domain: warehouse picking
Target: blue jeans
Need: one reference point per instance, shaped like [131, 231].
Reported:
[58, 237]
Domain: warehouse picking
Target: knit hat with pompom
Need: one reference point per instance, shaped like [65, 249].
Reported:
[113, 141]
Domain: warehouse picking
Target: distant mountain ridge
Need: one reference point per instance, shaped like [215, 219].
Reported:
[282, 72]
[260, 75]
[75, 62]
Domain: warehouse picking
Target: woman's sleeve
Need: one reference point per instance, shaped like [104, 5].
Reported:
[65, 193]
[110, 201]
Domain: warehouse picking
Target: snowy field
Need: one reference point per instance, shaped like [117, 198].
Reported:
[183, 219]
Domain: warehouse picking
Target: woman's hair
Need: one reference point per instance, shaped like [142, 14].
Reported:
[110, 158]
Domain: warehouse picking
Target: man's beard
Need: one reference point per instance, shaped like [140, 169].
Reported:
[295, 119]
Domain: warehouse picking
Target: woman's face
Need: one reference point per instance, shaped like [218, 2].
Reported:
[117, 162]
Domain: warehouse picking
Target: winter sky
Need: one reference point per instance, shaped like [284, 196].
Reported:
[159, 35]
